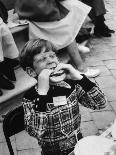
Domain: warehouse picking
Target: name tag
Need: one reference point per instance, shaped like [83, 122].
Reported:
[60, 100]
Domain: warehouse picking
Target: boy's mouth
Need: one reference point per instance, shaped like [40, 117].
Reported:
[57, 76]
[58, 73]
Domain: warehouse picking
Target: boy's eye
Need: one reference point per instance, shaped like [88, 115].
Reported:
[43, 59]
[52, 55]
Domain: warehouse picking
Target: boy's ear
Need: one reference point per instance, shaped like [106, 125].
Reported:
[31, 72]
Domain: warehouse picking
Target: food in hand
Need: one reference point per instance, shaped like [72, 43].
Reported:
[57, 76]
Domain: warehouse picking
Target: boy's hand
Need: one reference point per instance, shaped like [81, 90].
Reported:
[43, 81]
[71, 72]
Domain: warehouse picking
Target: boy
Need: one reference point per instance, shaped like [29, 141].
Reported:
[51, 107]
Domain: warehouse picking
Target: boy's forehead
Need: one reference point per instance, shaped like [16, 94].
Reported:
[44, 52]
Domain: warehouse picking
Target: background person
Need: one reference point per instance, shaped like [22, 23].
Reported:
[97, 15]
[8, 53]
[49, 20]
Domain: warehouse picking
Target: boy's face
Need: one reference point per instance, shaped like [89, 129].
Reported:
[45, 60]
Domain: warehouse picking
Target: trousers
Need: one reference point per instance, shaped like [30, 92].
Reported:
[66, 152]
[98, 7]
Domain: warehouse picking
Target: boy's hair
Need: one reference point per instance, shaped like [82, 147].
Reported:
[32, 48]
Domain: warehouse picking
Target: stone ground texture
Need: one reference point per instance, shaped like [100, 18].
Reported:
[102, 56]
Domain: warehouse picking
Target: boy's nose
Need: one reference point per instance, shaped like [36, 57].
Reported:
[52, 65]
[50, 59]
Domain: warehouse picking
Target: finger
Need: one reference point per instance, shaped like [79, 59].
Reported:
[61, 66]
[45, 73]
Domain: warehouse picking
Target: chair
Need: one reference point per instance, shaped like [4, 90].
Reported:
[13, 123]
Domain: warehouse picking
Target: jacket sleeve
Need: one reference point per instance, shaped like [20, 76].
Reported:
[35, 121]
[90, 95]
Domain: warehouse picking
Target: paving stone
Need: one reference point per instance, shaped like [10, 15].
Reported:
[95, 41]
[30, 152]
[113, 105]
[103, 119]
[101, 48]
[113, 49]
[85, 114]
[93, 62]
[88, 128]
[113, 72]
[106, 81]
[24, 141]
[111, 64]
[104, 71]
[25, 152]
[104, 56]
[110, 93]
[2, 138]
[37, 151]
[4, 149]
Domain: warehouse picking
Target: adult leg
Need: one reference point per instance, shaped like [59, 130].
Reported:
[5, 83]
[76, 59]
[73, 52]
[9, 52]
[97, 7]
[97, 15]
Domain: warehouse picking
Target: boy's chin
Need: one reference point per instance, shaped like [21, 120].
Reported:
[55, 79]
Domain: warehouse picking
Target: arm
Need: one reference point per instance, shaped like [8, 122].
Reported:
[35, 106]
[88, 93]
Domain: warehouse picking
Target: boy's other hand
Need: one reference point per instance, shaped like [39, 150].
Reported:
[70, 71]
[43, 81]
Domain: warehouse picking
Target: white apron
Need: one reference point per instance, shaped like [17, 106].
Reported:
[61, 33]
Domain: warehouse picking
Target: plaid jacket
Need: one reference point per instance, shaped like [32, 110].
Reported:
[50, 124]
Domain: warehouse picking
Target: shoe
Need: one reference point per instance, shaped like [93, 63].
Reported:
[1, 92]
[108, 29]
[8, 70]
[5, 83]
[83, 49]
[99, 32]
[91, 73]
[9, 73]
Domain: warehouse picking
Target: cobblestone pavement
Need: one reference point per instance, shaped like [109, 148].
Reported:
[102, 56]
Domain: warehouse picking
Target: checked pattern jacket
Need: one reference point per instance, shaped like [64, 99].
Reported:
[51, 124]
